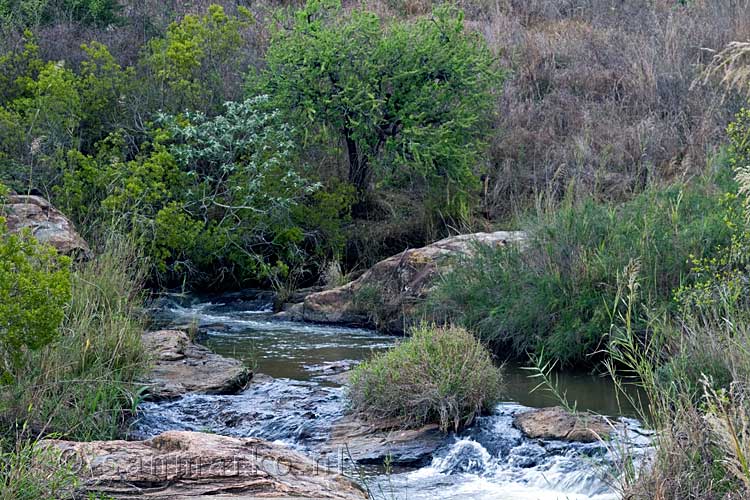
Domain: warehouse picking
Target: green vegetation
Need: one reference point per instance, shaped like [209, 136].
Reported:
[82, 385]
[34, 289]
[189, 65]
[410, 101]
[209, 198]
[439, 375]
[30, 472]
[553, 292]
[32, 13]
[694, 368]
[73, 355]
[273, 146]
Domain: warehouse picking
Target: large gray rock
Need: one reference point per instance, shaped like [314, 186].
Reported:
[180, 464]
[45, 222]
[181, 367]
[375, 442]
[387, 294]
[558, 423]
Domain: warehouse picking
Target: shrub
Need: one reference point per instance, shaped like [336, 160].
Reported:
[34, 290]
[83, 385]
[438, 375]
[219, 197]
[197, 58]
[554, 293]
[409, 101]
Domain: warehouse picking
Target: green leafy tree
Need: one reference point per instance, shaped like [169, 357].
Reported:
[34, 290]
[409, 101]
[196, 59]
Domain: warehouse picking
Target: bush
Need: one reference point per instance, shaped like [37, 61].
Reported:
[194, 63]
[83, 386]
[438, 375]
[554, 293]
[34, 290]
[217, 197]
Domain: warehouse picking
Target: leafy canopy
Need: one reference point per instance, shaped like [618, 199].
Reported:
[409, 101]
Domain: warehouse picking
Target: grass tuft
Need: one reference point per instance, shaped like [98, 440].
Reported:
[439, 375]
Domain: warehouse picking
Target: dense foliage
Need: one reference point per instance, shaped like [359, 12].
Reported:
[554, 292]
[210, 197]
[34, 290]
[216, 186]
[83, 384]
[408, 100]
[439, 375]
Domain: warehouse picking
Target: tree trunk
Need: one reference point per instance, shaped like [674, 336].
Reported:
[359, 169]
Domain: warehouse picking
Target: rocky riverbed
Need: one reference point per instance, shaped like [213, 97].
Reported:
[299, 403]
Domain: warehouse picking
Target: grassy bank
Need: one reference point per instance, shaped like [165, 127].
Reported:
[694, 367]
[553, 294]
[81, 385]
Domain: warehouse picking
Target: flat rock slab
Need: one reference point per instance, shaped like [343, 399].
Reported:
[46, 223]
[180, 464]
[373, 443]
[182, 367]
[560, 424]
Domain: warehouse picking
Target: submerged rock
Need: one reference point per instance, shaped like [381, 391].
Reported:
[181, 367]
[386, 295]
[374, 443]
[45, 222]
[558, 423]
[181, 464]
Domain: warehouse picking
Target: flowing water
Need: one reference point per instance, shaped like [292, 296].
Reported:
[298, 399]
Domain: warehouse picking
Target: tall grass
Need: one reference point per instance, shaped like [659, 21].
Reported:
[553, 293]
[83, 386]
[30, 472]
[695, 373]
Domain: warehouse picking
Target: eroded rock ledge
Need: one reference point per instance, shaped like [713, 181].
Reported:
[45, 222]
[386, 295]
[375, 442]
[181, 367]
[180, 464]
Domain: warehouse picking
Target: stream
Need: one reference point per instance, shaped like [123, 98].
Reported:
[298, 398]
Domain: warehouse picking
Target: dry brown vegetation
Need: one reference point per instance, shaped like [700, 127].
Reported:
[601, 98]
